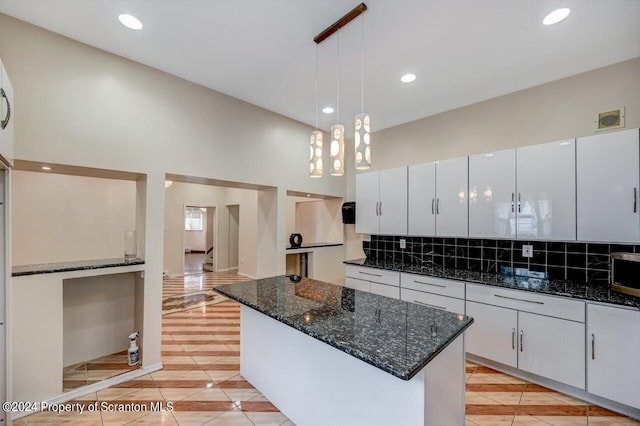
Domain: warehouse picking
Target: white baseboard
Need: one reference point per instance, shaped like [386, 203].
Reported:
[94, 387]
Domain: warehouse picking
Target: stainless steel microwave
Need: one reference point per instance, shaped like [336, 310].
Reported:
[625, 273]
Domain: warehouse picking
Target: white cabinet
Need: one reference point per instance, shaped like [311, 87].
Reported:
[492, 187]
[7, 113]
[613, 338]
[439, 293]
[608, 181]
[525, 193]
[381, 202]
[546, 191]
[438, 198]
[540, 334]
[493, 333]
[372, 280]
[551, 347]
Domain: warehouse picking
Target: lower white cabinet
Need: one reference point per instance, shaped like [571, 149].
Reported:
[433, 300]
[438, 293]
[522, 338]
[613, 348]
[493, 333]
[372, 280]
[551, 347]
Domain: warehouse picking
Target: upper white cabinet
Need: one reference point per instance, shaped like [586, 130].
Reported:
[492, 188]
[6, 116]
[608, 180]
[613, 345]
[438, 202]
[525, 193]
[381, 202]
[546, 191]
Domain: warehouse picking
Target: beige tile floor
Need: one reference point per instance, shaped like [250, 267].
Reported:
[202, 381]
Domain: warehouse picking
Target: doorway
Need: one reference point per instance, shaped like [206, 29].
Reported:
[233, 242]
[199, 239]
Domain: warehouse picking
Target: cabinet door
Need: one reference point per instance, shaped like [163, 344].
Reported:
[367, 197]
[385, 290]
[608, 179]
[433, 300]
[7, 109]
[552, 347]
[422, 199]
[613, 343]
[393, 201]
[546, 196]
[492, 188]
[356, 284]
[452, 209]
[493, 333]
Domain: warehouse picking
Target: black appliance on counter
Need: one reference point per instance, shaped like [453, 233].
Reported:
[295, 240]
[625, 273]
[349, 212]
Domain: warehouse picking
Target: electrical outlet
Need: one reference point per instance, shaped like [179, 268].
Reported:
[403, 243]
[527, 250]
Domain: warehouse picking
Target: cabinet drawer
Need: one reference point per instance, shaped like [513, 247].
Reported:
[439, 286]
[558, 307]
[356, 284]
[433, 300]
[372, 274]
[385, 290]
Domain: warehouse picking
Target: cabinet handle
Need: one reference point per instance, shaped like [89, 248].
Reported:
[380, 208]
[635, 199]
[437, 205]
[5, 121]
[442, 308]
[377, 208]
[369, 273]
[519, 300]
[435, 285]
[518, 202]
[513, 338]
[433, 201]
[513, 198]
[521, 339]
[593, 346]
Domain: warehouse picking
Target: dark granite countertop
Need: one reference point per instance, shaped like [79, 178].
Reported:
[50, 268]
[588, 292]
[395, 336]
[314, 245]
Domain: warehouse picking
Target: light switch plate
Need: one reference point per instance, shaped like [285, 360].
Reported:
[527, 250]
[403, 243]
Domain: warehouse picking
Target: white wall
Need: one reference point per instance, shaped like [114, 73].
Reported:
[98, 316]
[197, 240]
[60, 218]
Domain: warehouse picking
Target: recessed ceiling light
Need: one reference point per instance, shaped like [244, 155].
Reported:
[408, 78]
[556, 16]
[130, 21]
[327, 110]
[45, 168]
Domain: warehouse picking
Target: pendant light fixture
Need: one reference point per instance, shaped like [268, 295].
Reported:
[362, 137]
[337, 130]
[315, 147]
[336, 147]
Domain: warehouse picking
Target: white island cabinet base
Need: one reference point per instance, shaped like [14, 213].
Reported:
[314, 383]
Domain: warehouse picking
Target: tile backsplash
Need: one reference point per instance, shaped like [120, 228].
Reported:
[575, 261]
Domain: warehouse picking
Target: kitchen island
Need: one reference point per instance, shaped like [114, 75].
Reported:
[325, 354]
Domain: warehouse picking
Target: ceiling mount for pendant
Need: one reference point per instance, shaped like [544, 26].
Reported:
[332, 29]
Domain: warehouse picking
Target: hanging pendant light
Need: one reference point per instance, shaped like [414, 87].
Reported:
[315, 143]
[362, 137]
[336, 149]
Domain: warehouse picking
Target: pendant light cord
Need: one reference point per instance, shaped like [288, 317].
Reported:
[362, 64]
[338, 80]
[316, 86]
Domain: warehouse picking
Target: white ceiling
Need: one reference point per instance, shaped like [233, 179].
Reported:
[262, 51]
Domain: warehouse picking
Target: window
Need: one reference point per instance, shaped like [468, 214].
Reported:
[193, 219]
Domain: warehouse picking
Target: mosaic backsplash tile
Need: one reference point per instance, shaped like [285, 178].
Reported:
[575, 261]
